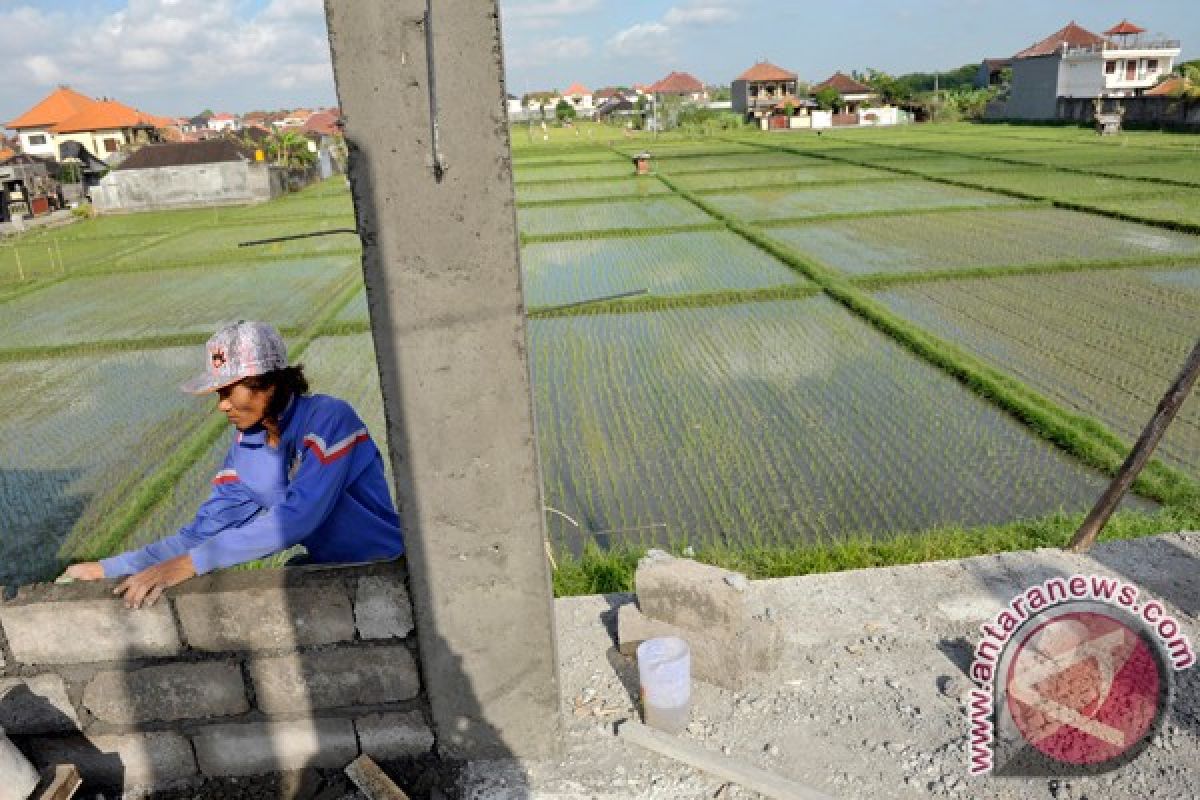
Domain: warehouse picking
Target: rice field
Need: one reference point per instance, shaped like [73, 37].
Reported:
[853, 198]
[1016, 237]
[1107, 344]
[772, 422]
[752, 397]
[670, 264]
[138, 305]
[617, 215]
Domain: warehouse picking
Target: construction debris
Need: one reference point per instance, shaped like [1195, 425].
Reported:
[60, 782]
[373, 781]
[710, 608]
[723, 767]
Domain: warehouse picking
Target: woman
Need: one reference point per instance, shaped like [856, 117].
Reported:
[301, 469]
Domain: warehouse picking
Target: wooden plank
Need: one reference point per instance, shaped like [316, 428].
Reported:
[373, 781]
[1085, 537]
[61, 782]
[727, 769]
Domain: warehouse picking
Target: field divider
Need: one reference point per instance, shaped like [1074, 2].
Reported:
[884, 280]
[1083, 437]
[787, 222]
[617, 233]
[1070, 205]
[534, 165]
[31, 286]
[673, 301]
[577, 179]
[193, 445]
[586, 201]
[218, 261]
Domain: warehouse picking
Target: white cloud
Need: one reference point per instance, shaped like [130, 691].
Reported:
[706, 14]
[559, 49]
[644, 38]
[546, 14]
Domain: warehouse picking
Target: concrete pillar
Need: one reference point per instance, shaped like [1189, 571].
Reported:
[440, 255]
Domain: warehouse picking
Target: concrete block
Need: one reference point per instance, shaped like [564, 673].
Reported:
[722, 659]
[259, 748]
[19, 778]
[128, 760]
[382, 609]
[169, 692]
[85, 631]
[331, 679]
[394, 736]
[692, 595]
[266, 619]
[36, 705]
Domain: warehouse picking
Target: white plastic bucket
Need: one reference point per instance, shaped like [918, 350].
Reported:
[665, 673]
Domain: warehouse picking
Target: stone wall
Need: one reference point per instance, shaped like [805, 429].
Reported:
[223, 183]
[240, 673]
[1152, 111]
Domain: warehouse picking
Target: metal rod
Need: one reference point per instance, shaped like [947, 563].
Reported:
[1086, 536]
[439, 164]
[297, 236]
[634, 293]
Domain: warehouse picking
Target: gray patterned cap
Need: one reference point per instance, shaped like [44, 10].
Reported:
[237, 351]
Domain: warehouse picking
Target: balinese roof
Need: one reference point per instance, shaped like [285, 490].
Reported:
[223, 117]
[182, 154]
[766, 71]
[1122, 27]
[842, 84]
[576, 89]
[1168, 87]
[322, 123]
[678, 83]
[57, 106]
[106, 115]
[6, 154]
[1071, 34]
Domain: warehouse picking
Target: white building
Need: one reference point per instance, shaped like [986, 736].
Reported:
[1074, 62]
[224, 122]
[580, 98]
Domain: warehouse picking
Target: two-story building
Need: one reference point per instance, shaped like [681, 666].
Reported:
[36, 127]
[580, 98]
[759, 89]
[1073, 62]
[103, 127]
[224, 122]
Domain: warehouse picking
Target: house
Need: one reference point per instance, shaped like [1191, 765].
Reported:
[35, 128]
[757, 90]
[991, 72]
[1073, 62]
[293, 119]
[540, 102]
[26, 187]
[580, 98]
[323, 123]
[161, 176]
[616, 106]
[513, 105]
[681, 85]
[852, 94]
[224, 122]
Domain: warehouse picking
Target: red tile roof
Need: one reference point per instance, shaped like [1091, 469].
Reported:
[106, 115]
[57, 106]
[678, 83]
[1168, 87]
[5, 155]
[843, 84]
[1071, 34]
[322, 123]
[766, 71]
[576, 90]
[1124, 26]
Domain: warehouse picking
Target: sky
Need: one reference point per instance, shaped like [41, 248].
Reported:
[179, 57]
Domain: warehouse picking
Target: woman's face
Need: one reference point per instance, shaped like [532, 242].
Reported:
[243, 406]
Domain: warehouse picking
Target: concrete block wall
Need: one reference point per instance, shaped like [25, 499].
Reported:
[241, 673]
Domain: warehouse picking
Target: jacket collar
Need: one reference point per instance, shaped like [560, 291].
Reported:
[257, 436]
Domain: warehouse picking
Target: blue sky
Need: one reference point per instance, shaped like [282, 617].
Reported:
[180, 56]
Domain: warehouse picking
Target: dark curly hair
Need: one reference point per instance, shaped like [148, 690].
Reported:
[287, 382]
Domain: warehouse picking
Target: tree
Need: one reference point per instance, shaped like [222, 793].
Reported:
[639, 119]
[290, 149]
[564, 111]
[827, 98]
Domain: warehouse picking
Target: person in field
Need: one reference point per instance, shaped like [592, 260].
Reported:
[301, 469]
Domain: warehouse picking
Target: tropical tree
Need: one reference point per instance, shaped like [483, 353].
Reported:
[290, 149]
[827, 98]
[564, 111]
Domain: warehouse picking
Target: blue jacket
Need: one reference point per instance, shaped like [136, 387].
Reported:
[322, 487]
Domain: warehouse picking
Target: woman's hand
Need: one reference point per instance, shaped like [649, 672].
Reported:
[148, 585]
[86, 571]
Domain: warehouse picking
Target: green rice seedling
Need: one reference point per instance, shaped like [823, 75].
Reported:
[849, 199]
[148, 304]
[930, 242]
[820, 172]
[557, 273]
[632, 214]
[619, 187]
[615, 169]
[1103, 344]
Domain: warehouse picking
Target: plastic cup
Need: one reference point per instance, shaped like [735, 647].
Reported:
[665, 674]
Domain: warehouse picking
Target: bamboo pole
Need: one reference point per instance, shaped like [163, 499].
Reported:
[1085, 537]
[20, 270]
[61, 265]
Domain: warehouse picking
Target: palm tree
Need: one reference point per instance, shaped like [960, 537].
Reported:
[290, 149]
